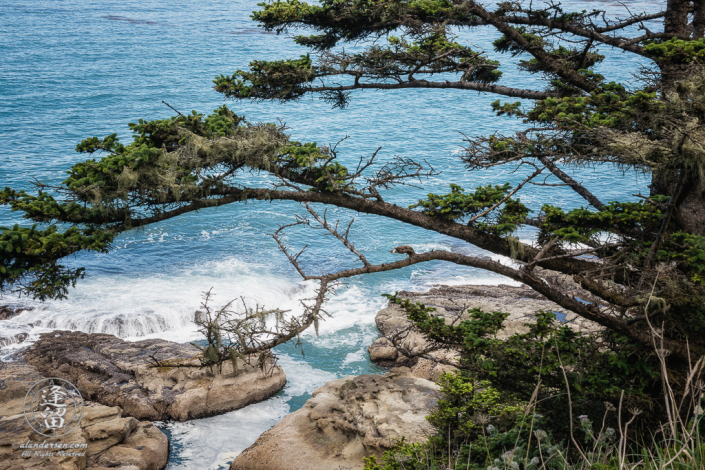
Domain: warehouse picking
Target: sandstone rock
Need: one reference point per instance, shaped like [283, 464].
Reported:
[16, 378]
[452, 303]
[114, 372]
[345, 420]
[143, 448]
[110, 440]
[383, 350]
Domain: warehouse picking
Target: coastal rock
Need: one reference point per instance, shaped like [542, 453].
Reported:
[6, 312]
[345, 420]
[16, 378]
[13, 339]
[383, 350]
[114, 372]
[452, 303]
[103, 439]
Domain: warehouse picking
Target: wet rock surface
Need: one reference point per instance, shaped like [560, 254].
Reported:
[452, 302]
[104, 438]
[113, 372]
[7, 312]
[345, 420]
[13, 339]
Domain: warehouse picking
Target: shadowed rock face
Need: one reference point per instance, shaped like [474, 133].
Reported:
[451, 302]
[345, 420]
[113, 441]
[114, 372]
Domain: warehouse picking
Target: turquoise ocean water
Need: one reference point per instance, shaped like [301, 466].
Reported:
[77, 68]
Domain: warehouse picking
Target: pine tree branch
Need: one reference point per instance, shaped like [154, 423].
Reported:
[590, 312]
[577, 187]
[459, 85]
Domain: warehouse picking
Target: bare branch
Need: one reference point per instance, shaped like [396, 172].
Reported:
[577, 187]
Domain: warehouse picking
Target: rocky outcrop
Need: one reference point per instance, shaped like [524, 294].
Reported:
[7, 312]
[452, 303]
[114, 372]
[103, 439]
[345, 420]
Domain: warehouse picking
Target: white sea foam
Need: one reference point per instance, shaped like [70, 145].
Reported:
[357, 356]
[164, 306]
[351, 306]
[225, 436]
[143, 307]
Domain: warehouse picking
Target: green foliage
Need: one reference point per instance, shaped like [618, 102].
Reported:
[608, 106]
[350, 20]
[45, 208]
[509, 446]
[310, 160]
[179, 159]
[458, 205]
[285, 80]
[504, 44]
[463, 401]
[521, 444]
[144, 162]
[635, 225]
[279, 79]
[28, 258]
[575, 59]
[598, 367]
[526, 445]
[679, 51]
[691, 250]
[504, 409]
[621, 218]
[407, 456]
[461, 413]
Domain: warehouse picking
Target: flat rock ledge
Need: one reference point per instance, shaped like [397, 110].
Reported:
[521, 303]
[113, 441]
[113, 372]
[345, 420]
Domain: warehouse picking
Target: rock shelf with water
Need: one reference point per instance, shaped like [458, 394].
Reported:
[114, 372]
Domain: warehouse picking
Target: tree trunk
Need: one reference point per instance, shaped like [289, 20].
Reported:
[698, 19]
[676, 20]
[690, 204]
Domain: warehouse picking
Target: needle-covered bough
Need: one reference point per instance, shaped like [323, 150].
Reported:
[635, 268]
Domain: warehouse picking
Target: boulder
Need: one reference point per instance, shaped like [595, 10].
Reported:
[345, 420]
[452, 303]
[103, 439]
[150, 379]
